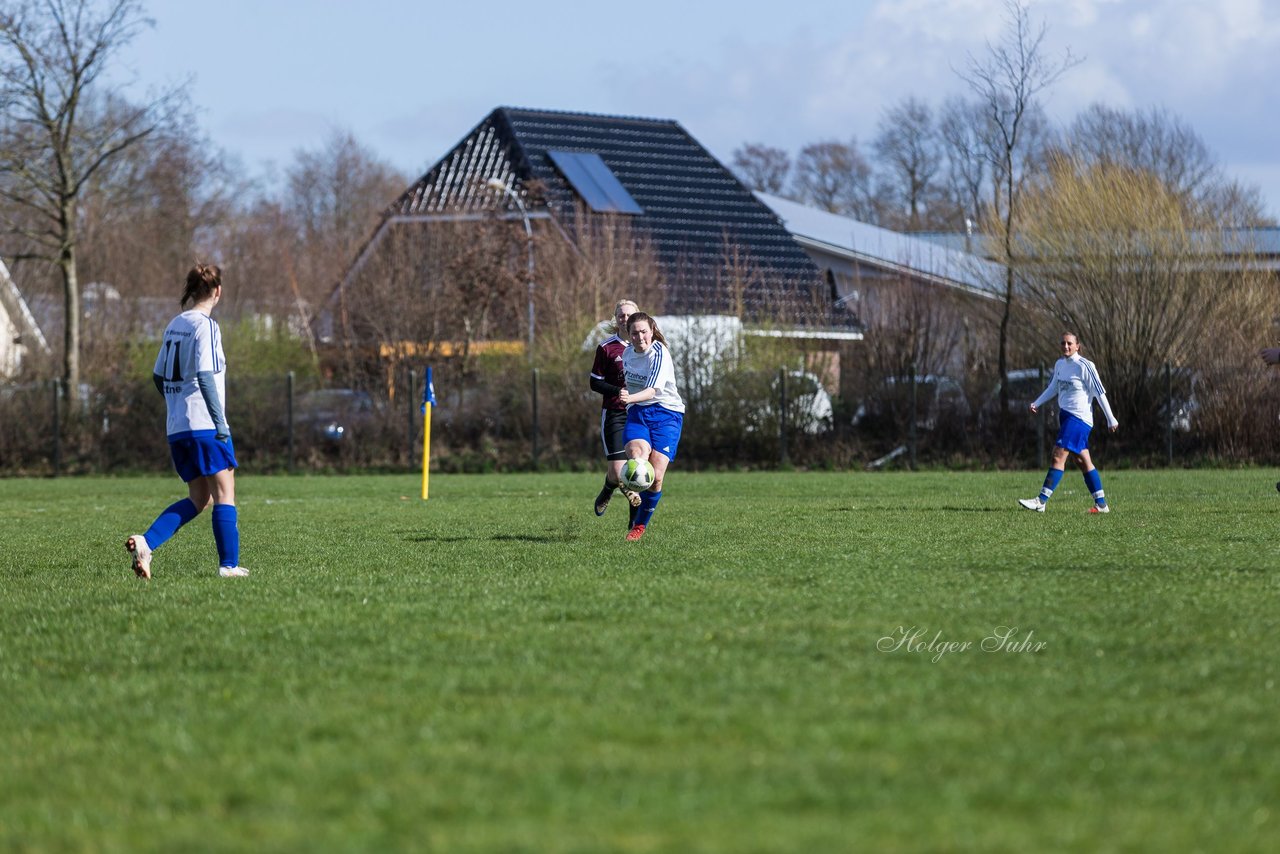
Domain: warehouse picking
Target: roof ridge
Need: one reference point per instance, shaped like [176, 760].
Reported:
[586, 115]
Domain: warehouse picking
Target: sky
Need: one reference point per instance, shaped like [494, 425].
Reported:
[409, 79]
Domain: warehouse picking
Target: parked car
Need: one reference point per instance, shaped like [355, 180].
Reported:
[1177, 396]
[1025, 385]
[939, 400]
[333, 415]
[809, 407]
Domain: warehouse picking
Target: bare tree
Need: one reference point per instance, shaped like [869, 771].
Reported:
[149, 211]
[836, 177]
[908, 151]
[332, 200]
[1007, 82]
[762, 167]
[963, 128]
[1119, 256]
[334, 196]
[52, 56]
[1170, 149]
[1237, 205]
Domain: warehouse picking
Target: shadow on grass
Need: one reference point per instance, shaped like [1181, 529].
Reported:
[523, 538]
[908, 508]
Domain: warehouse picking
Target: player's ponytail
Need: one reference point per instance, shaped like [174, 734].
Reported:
[203, 280]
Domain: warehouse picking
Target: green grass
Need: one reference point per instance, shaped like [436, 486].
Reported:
[495, 669]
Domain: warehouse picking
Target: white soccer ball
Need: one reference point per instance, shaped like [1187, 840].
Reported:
[637, 475]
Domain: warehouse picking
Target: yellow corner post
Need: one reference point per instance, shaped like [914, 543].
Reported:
[428, 403]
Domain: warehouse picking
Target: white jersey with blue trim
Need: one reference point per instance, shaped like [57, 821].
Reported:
[652, 369]
[192, 344]
[1076, 382]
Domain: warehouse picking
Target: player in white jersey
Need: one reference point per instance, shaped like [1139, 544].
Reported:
[1076, 382]
[190, 372]
[655, 411]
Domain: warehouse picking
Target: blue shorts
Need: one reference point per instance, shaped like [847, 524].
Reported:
[200, 454]
[656, 425]
[1073, 433]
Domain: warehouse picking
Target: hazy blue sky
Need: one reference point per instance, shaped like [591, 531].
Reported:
[409, 79]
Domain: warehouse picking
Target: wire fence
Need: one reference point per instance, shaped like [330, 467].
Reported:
[518, 418]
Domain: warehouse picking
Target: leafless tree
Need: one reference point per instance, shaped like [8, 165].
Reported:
[53, 54]
[836, 177]
[331, 202]
[762, 167]
[333, 198]
[1117, 255]
[1007, 82]
[1237, 205]
[963, 128]
[1158, 142]
[908, 152]
[153, 209]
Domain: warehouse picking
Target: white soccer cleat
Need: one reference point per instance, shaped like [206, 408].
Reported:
[1032, 504]
[233, 572]
[140, 552]
[1100, 508]
[633, 497]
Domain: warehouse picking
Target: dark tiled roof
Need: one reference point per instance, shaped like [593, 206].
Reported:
[694, 208]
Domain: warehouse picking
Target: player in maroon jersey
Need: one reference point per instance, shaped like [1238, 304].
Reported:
[607, 379]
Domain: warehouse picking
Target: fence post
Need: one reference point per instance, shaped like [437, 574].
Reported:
[411, 409]
[288, 386]
[911, 421]
[57, 427]
[1168, 408]
[535, 419]
[1040, 427]
[782, 416]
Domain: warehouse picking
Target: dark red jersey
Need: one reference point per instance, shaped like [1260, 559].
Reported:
[608, 369]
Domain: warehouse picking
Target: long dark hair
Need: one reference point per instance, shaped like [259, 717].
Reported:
[653, 324]
[201, 281]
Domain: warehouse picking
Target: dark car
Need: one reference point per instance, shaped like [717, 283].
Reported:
[939, 400]
[1025, 385]
[333, 415]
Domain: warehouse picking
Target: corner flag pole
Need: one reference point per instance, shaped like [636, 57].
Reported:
[428, 403]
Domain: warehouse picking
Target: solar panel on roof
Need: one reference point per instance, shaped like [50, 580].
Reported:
[598, 186]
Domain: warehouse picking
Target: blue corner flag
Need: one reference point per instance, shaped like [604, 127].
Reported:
[428, 393]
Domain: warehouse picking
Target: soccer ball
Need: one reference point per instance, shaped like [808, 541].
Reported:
[637, 475]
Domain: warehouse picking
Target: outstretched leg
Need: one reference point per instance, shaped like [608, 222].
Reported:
[1051, 480]
[173, 517]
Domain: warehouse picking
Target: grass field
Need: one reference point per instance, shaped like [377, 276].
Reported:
[495, 669]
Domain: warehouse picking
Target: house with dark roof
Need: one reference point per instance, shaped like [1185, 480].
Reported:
[558, 170]
[855, 255]
[897, 282]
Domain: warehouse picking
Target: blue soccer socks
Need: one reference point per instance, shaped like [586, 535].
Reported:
[648, 504]
[1051, 481]
[168, 522]
[226, 533]
[1093, 482]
